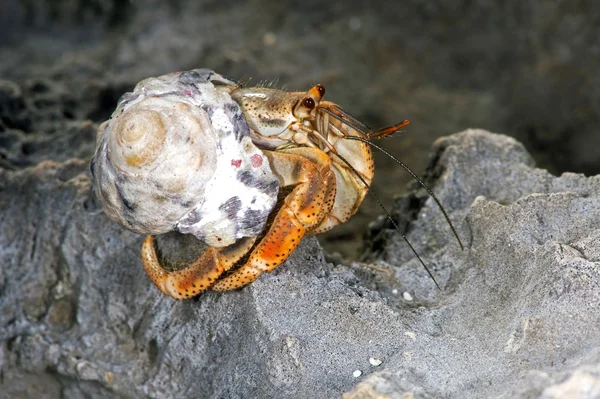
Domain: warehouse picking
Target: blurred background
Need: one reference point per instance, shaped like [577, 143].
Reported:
[525, 68]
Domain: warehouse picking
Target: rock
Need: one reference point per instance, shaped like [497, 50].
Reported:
[518, 308]
[583, 383]
[517, 315]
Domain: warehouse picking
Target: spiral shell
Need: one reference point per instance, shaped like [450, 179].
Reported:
[176, 155]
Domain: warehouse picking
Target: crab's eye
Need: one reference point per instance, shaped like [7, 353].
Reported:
[308, 103]
[321, 89]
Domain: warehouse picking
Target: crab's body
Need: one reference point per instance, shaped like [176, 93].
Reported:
[282, 120]
[324, 175]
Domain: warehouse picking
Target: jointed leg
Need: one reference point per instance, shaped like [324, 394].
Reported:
[307, 169]
[199, 275]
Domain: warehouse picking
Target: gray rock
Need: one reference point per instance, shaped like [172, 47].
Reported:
[517, 316]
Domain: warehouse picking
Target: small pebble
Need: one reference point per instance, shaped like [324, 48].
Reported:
[407, 296]
[375, 362]
[395, 291]
[357, 373]
[269, 39]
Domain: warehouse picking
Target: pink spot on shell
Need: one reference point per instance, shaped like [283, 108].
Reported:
[236, 162]
[188, 92]
[256, 160]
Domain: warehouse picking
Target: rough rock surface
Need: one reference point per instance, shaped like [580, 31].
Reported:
[517, 316]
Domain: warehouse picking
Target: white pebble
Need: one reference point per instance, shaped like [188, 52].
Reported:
[269, 39]
[407, 296]
[375, 362]
[357, 373]
[395, 291]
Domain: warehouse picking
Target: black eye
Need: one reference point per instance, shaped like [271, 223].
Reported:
[321, 89]
[308, 103]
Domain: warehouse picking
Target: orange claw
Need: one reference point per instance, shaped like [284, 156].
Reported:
[304, 208]
[281, 240]
[308, 169]
[197, 276]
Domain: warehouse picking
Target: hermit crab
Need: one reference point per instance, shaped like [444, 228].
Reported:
[247, 170]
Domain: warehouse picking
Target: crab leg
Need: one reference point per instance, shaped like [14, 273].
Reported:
[308, 169]
[197, 276]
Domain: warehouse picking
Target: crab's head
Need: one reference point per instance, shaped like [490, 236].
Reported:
[274, 116]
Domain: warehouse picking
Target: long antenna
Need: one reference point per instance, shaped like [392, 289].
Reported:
[389, 217]
[338, 113]
[417, 178]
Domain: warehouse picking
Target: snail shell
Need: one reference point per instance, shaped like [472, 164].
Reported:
[176, 155]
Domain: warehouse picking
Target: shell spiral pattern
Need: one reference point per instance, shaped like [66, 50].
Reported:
[176, 155]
